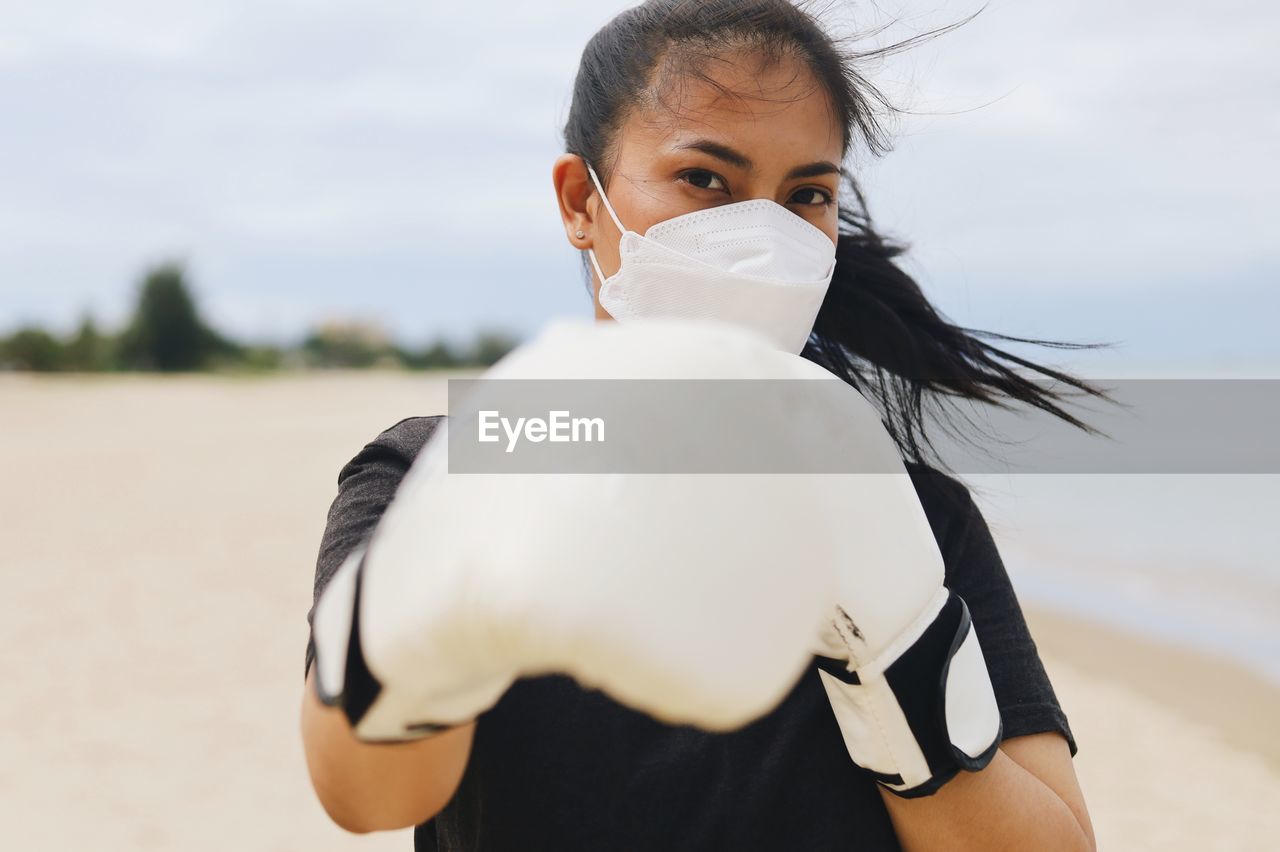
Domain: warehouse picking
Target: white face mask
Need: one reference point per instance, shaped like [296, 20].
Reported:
[753, 263]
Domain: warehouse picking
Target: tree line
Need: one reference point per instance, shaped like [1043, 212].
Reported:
[166, 333]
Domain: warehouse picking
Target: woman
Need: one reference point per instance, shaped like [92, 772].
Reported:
[680, 107]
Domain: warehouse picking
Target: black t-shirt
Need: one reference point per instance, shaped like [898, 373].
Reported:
[557, 766]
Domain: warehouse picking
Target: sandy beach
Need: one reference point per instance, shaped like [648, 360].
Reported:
[159, 544]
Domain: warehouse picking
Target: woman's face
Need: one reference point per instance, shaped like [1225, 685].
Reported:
[778, 140]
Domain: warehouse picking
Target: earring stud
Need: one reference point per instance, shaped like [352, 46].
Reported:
[580, 235]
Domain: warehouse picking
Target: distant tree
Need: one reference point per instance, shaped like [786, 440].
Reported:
[226, 351]
[32, 349]
[166, 332]
[490, 347]
[438, 356]
[88, 350]
[261, 358]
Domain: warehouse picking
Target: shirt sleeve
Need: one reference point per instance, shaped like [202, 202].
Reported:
[976, 572]
[366, 486]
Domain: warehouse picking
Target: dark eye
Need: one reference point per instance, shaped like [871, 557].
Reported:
[703, 179]
[822, 196]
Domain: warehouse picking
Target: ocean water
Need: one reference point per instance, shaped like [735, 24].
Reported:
[1189, 559]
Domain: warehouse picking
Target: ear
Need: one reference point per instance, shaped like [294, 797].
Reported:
[573, 189]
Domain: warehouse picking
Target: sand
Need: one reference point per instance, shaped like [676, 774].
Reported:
[159, 544]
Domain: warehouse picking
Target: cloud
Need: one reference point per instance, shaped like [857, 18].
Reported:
[394, 159]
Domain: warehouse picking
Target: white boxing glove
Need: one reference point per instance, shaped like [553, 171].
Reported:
[899, 658]
[692, 597]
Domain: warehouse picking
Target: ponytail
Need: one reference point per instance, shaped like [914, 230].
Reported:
[877, 331]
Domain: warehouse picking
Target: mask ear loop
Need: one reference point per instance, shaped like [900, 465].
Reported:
[607, 206]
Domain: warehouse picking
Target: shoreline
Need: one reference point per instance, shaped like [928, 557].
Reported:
[1238, 703]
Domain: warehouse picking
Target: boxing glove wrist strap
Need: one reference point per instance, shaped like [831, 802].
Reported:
[917, 717]
[343, 678]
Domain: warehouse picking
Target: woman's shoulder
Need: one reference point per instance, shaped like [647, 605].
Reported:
[408, 436]
[390, 453]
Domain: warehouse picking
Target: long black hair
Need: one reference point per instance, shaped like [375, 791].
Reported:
[876, 329]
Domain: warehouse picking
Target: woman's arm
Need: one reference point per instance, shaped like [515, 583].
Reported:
[1026, 798]
[368, 787]
[374, 786]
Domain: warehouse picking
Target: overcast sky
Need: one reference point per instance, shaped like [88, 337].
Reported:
[1086, 171]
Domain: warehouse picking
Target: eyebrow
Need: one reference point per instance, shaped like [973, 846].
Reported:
[742, 161]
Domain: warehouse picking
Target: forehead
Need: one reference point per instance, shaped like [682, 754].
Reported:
[774, 105]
